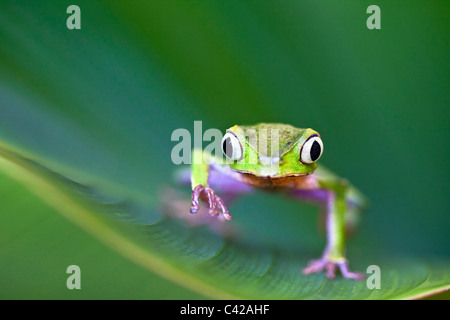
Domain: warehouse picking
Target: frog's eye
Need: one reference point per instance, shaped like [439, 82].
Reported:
[311, 150]
[231, 147]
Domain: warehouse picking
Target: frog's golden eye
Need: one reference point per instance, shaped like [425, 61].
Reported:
[231, 146]
[311, 150]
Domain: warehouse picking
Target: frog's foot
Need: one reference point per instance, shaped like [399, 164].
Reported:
[330, 266]
[215, 202]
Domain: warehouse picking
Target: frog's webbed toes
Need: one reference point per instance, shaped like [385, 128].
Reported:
[330, 268]
[215, 202]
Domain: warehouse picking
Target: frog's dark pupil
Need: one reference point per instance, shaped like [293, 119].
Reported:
[227, 148]
[315, 151]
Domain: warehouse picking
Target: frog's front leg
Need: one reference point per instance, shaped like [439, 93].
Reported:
[334, 196]
[207, 172]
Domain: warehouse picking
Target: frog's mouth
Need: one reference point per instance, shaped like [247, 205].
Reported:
[295, 180]
[272, 176]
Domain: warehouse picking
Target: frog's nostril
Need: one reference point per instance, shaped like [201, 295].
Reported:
[270, 161]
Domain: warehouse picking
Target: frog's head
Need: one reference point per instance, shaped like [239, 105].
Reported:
[272, 150]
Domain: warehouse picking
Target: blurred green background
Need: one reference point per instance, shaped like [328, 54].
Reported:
[99, 105]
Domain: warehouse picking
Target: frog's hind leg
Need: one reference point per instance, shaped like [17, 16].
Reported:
[335, 203]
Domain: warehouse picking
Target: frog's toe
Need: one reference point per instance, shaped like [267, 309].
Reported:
[330, 268]
[223, 208]
[315, 266]
[349, 274]
[195, 197]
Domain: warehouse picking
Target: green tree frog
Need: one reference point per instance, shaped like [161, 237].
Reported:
[279, 157]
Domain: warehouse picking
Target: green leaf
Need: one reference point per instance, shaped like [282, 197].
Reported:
[86, 118]
[200, 260]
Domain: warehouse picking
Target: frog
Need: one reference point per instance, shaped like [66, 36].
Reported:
[279, 157]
